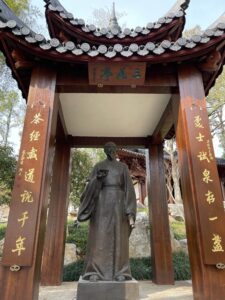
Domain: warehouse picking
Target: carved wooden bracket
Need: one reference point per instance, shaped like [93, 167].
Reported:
[212, 62]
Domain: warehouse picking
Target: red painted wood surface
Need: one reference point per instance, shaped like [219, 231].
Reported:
[208, 281]
[53, 255]
[24, 207]
[161, 251]
[209, 202]
[24, 284]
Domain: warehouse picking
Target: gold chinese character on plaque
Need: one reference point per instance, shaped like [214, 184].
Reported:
[34, 136]
[29, 176]
[217, 240]
[206, 176]
[210, 198]
[19, 245]
[200, 137]
[37, 119]
[198, 122]
[23, 219]
[32, 154]
[26, 197]
[203, 156]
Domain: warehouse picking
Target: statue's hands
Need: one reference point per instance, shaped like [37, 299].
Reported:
[131, 221]
[102, 173]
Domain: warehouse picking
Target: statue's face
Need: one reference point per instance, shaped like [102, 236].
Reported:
[110, 150]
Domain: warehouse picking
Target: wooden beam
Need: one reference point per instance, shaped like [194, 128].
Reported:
[98, 142]
[161, 252]
[70, 78]
[165, 124]
[114, 89]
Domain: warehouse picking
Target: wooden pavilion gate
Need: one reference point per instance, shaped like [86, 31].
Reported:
[184, 69]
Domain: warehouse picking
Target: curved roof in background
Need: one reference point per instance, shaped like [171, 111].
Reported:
[63, 25]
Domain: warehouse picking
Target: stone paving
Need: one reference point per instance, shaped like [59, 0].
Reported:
[182, 290]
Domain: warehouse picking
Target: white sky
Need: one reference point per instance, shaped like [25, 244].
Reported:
[140, 12]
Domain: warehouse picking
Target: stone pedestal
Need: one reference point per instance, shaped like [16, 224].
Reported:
[107, 290]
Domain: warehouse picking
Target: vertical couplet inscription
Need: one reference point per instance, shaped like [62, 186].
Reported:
[208, 191]
[20, 236]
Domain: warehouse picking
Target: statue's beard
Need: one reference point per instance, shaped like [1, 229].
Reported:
[111, 156]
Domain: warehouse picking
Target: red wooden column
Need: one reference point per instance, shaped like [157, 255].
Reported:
[21, 263]
[201, 191]
[53, 255]
[161, 251]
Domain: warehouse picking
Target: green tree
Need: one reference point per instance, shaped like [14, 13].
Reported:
[8, 169]
[18, 6]
[11, 113]
[81, 167]
[216, 109]
[83, 161]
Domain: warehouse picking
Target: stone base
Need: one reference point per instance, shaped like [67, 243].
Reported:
[107, 290]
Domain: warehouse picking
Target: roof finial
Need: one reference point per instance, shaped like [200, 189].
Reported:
[113, 23]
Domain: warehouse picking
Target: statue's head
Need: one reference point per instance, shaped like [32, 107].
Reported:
[110, 150]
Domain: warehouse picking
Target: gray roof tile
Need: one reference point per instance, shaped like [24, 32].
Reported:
[113, 50]
[177, 11]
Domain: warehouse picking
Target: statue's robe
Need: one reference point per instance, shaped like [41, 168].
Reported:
[108, 200]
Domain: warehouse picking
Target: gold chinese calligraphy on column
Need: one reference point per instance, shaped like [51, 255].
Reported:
[28, 183]
[207, 185]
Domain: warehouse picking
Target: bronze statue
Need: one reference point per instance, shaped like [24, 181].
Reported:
[109, 202]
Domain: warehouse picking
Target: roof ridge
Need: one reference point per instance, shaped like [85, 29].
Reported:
[56, 6]
[221, 19]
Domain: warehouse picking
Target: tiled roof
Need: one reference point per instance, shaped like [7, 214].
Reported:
[132, 153]
[9, 22]
[115, 50]
[177, 11]
[7, 14]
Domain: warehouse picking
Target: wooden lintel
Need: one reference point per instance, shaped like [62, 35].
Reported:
[98, 142]
[68, 79]
[161, 79]
[165, 124]
[114, 89]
